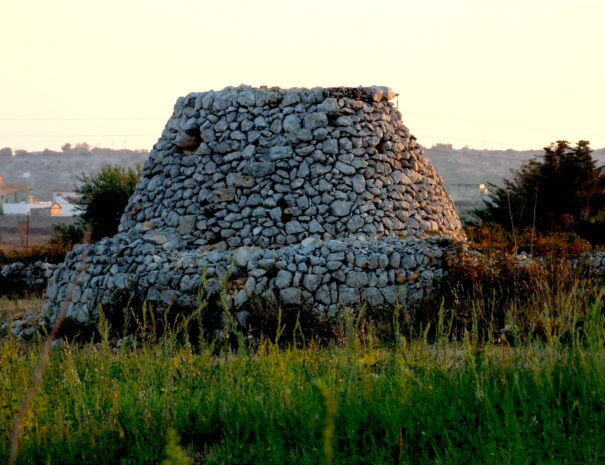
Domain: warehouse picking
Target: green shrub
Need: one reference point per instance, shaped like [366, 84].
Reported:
[65, 236]
[104, 197]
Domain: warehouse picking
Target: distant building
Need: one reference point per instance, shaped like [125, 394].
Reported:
[444, 148]
[467, 197]
[15, 208]
[63, 209]
[65, 201]
[470, 193]
[56, 210]
[65, 196]
[25, 208]
[42, 211]
[14, 193]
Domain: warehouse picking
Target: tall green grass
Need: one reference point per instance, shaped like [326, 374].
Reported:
[415, 401]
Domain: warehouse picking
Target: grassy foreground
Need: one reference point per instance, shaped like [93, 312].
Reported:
[412, 402]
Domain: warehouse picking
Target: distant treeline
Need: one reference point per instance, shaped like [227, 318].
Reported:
[48, 170]
[81, 148]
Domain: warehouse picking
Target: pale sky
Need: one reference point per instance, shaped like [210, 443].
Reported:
[501, 74]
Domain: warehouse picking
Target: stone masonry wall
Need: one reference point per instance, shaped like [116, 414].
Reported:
[272, 167]
[17, 278]
[317, 197]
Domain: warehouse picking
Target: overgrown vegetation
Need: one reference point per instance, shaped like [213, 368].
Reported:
[515, 287]
[103, 198]
[9, 308]
[507, 365]
[52, 253]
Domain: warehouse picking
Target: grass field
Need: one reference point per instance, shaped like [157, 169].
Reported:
[9, 308]
[358, 401]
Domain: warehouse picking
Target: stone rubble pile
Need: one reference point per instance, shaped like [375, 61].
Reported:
[24, 326]
[19, 277]
[318, 197]
[597, 263]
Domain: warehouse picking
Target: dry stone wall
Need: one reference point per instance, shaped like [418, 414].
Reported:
[18, 278]
[272, 167]
[318, 197]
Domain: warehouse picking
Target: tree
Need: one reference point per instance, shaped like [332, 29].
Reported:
[65, 236]
[82, 148]
[104, 197]
[562, 191]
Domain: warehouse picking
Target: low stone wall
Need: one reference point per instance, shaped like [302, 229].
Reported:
[18, 278]
[323, 276]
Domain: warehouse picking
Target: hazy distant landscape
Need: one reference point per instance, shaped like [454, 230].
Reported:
[471, 166]
[48, 170]
[53, 170]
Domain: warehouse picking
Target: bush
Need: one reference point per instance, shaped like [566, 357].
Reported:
[494, 240]
[65, 236]
[494, 288]
[104, 197]
[562, 192]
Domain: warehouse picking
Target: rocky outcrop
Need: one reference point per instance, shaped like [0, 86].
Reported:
[317, 197]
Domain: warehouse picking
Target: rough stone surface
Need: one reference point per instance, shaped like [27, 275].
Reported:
[17, 277]
[317, 197]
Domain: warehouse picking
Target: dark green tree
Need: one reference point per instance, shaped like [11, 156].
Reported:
[65, 236]
[104, 197]
[563, 190]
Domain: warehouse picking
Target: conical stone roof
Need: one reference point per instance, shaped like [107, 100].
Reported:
[318, 197]
[270, 167]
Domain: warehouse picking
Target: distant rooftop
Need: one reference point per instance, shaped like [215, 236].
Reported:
[7, 189]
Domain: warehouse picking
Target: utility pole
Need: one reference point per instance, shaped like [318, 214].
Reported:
[27, 232]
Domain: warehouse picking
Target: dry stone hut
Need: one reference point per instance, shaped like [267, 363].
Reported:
[317, 197]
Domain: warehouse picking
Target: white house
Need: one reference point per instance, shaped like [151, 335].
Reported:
[23, 208]
[65, 196]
